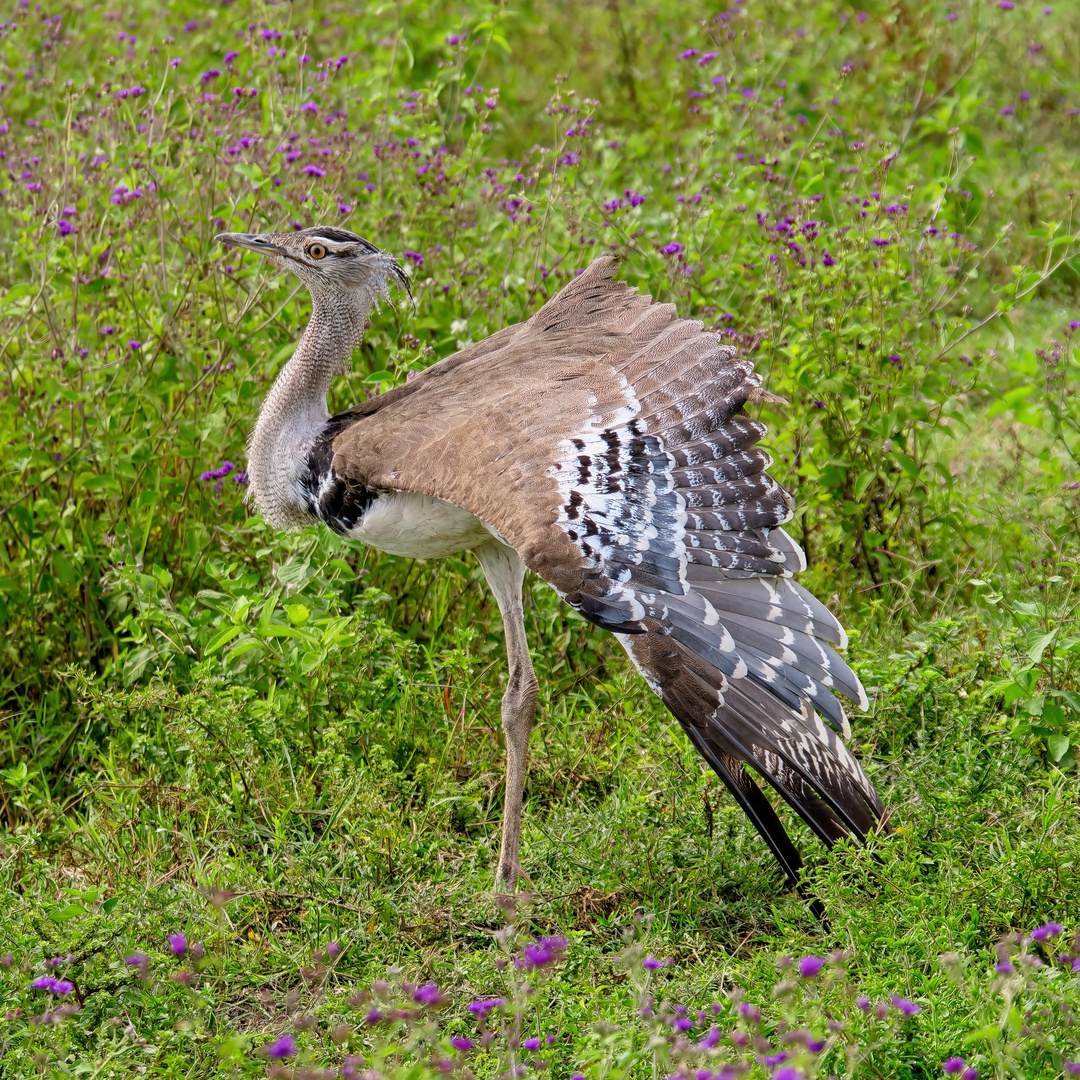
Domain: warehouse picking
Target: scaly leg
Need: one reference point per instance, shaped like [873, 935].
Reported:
[505, 573]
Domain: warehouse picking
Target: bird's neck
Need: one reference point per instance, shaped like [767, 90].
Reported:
[295, 412]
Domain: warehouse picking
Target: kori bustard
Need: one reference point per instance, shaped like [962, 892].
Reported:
[602, 444]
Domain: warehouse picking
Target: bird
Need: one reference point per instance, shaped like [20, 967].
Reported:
[604, 444]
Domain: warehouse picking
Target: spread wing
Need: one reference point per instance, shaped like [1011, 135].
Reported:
[605, 439]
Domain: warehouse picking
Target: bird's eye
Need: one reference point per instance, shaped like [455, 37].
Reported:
[316, 251]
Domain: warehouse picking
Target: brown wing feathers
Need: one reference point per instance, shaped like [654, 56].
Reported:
[606, 440]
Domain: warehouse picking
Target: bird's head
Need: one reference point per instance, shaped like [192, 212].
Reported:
[334, 264]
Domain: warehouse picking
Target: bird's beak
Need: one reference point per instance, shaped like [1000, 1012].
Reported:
[249, 240]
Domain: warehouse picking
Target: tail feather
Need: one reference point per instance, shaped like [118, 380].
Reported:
[753, 803]
[734, 720]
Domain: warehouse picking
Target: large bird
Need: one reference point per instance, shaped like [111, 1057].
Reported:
[604, 445]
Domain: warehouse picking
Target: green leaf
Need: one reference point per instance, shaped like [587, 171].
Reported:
[109, 906]
[1070, 697]
[1038, 646]
[984, 1034]
[1010, 400]
[71, 911]
[1058, 746]
[233, 1048]
[906, 463]
[245, 645]
[379, 376]
[278, 630]
[221, 639]
[1054, 716]
[863, 481]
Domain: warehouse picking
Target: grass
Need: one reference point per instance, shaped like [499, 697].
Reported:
[288, 749]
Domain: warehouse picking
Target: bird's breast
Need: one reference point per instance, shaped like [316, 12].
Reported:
[418, 526]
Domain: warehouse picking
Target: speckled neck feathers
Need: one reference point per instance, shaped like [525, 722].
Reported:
[294, 412]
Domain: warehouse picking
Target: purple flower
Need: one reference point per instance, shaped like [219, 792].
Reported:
[428, 994]
[333, 949]
[1006, 5]
[6, 961]
[880, 241]
[178, 942]
[908, 1008]
[1004, 967]
[214, 474]
[970, 1073]
[710, 1039]
[952, 1066]
[209, 75]
[531, 1044]
[137, 959]
[788, 1072]
[1050, 930]
[314, 170]
[650, 963]
[65, 227]
[482, 1008]
[688, 54]
[134, 345]
[1006, 110]
[231, 55]
[1075, 324]
[285, 1047]
[415, 257]
[453, 39]
[674, 248]
[773, 1059]
[53, 986]
[1072, 1068]
[810, 966]
[459, 1042]
[543, 951]
[951, 16]
[373, 1016]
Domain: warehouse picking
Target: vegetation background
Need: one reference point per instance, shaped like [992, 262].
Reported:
[286, 750]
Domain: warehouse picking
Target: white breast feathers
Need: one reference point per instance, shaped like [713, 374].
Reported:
[419, 527]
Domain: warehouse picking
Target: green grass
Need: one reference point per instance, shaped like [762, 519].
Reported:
[271, 743]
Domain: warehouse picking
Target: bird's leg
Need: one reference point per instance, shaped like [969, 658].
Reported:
[505, 573]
